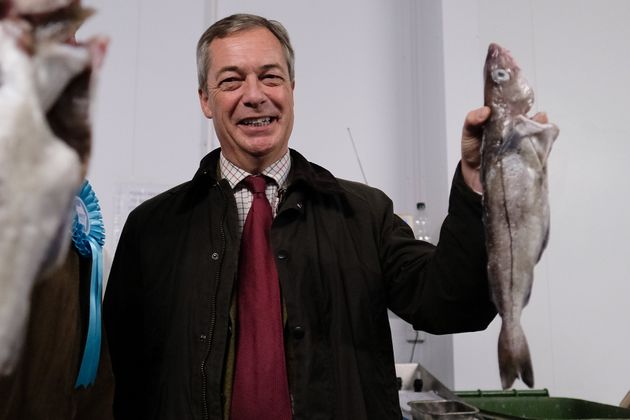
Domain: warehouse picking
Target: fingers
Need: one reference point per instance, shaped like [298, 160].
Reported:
[473, 123]
[471, 143]
[478, 116]
[541, 117]
[471, 135]
[474, 119]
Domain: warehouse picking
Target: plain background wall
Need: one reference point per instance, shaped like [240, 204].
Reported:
[402, 75]
[148, 133]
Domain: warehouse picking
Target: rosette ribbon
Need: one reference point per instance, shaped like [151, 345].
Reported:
[88, 237]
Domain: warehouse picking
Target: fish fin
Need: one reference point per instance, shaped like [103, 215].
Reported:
[514, 357]
[541, 136]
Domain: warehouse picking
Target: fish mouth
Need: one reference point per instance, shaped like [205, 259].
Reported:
[503, 55]
[4, 9]
[69, 115]
[48, 29]
[493, 49]
[257, 121]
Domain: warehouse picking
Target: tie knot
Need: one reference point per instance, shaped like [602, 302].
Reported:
[255, 183]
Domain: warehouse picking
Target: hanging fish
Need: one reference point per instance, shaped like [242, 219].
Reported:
[514, 154]
[45, 84]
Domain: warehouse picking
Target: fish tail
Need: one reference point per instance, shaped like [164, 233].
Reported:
[514, 358]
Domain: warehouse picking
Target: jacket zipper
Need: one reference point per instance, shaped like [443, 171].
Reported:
[213, 315]
[213, 320]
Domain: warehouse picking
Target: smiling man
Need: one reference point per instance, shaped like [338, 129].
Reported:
[260, 288]
[249, 96]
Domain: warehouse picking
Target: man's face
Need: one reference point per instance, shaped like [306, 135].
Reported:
[249, 97]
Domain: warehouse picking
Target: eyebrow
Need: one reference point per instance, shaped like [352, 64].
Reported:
[238, 69]
[271, 66]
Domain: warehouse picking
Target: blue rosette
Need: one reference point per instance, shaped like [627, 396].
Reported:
[88, 237]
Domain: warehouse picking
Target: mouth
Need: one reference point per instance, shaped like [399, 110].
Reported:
[257, 122]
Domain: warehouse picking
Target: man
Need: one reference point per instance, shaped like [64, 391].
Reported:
[179, 330]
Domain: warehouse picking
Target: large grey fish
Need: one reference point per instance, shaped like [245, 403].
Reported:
[514, 155]
[44, 147]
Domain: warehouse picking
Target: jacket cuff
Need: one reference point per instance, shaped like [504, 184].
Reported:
[462, 194]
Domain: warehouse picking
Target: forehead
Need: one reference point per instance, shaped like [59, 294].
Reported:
[255, 47]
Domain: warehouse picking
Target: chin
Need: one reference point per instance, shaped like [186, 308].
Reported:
[262, 147]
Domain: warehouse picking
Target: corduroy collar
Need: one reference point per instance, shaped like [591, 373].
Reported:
[303, 172]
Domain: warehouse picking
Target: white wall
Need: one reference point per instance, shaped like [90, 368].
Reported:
[148, 134]
[402, 75]
[576, 55]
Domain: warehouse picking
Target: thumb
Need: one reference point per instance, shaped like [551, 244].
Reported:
[473, 122]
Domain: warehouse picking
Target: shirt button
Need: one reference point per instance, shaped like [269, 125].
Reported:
[202, 337]
[283, 255]
[215, 256]
[298, 332]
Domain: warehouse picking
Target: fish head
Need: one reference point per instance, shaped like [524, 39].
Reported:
[38, 6]
[506, 91]
[65, 69]
[15, 8]
[69, 113]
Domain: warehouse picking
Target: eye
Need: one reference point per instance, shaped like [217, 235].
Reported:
[271, 79]
[230, 83]
[500, 75]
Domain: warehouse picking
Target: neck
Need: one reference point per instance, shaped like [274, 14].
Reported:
[254, 164]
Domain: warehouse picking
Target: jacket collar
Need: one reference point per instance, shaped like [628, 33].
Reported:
[303, 173]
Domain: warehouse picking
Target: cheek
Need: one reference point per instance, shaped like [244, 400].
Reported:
[282, 96]
[228, 107]
[289, 108]
[289, 96]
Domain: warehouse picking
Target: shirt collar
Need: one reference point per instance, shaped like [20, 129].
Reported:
[278, 171]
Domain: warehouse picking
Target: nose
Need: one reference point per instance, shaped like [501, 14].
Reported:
[253, 95]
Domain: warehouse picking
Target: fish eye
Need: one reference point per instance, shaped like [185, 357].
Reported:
[500, 75]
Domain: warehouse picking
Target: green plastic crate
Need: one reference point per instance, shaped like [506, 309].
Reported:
[537, 404]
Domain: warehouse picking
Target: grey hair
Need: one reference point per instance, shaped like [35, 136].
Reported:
[236, 23]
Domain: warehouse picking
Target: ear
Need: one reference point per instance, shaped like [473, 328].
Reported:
[203, 101]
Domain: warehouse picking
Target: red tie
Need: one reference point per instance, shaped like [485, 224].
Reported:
[261, 389]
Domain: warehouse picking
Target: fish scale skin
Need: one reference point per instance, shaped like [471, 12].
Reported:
[38, 179]
[39, 171]
[515, 204]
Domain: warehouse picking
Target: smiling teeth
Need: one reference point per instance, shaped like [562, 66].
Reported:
[258, 122]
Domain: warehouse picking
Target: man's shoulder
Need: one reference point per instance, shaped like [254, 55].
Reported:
[162, 202]
[361, 191]
[325, 181]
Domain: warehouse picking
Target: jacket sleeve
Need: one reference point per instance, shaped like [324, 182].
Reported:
[123, 323]
[441, 289]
